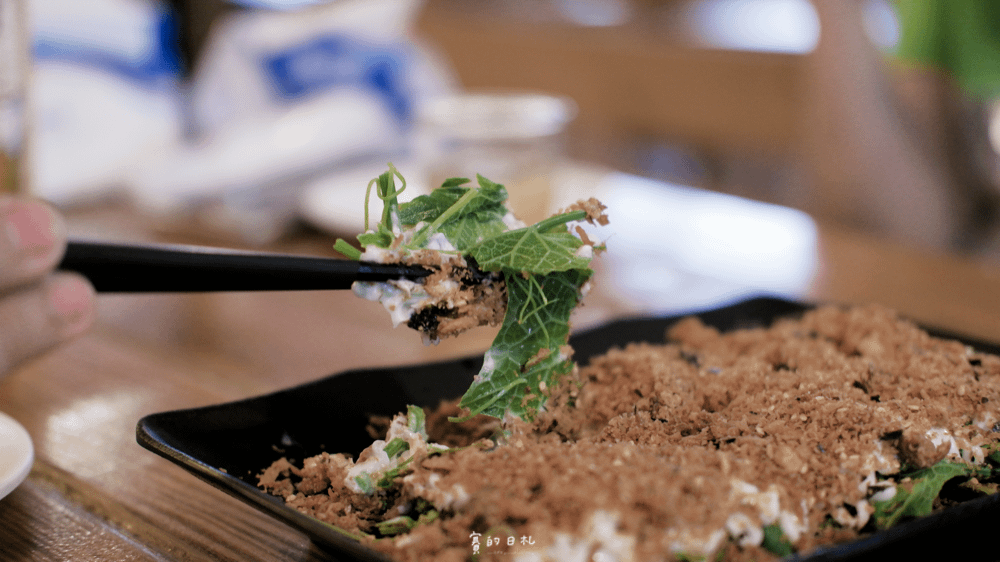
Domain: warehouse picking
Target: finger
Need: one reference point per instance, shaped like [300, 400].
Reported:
[32, 239]
[38, 317]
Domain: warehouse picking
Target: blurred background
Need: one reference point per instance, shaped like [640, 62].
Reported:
[251, 119]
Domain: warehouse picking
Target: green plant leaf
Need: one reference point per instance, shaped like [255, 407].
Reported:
[404, 523]
[381, 237]
[428, 207]
[916, 498]
[345, 248]
[465, 215]
[389, 476]
[537, 318]
[396, 526]
[542, 248]
[416, 420]
[776, 542]
[395, 447]
[542, 266]
[366, 484]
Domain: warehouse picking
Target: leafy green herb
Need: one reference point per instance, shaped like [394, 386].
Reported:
[396, 525]
[395, 447]
[404, 523]
[993, 453]
[536, 326]
[465, 216]
[384, 477]
[541, 248]
[916, 498]
[776, 541]
[366, 484]
[389, 476]
[544, 267]
[345, 248]
[416, 420]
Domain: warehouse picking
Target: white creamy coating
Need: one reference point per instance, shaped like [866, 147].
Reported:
[403, 298]
[440, 242]
[585, 251]
[746, 530]
[400, 298]
[599, 541]
[987, 421]
[768, 506]
[429, 489]
[512, 222]
[377, 462]
[601, 534]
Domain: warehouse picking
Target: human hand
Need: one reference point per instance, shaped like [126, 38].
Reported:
[39, 308]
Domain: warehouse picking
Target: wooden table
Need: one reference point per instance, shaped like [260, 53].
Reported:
[94, 494]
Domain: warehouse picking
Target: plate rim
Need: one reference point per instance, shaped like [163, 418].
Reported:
[22, 445]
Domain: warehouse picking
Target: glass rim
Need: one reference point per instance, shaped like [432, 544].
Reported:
[498, 115]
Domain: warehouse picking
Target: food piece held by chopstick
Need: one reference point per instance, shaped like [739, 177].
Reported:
[492, 270]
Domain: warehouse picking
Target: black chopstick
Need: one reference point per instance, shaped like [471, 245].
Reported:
[125, 268]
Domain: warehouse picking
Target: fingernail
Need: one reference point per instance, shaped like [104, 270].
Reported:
[33, 229]
[72, 300]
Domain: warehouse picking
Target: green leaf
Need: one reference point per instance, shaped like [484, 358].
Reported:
[404, 523]
[385, 189]
[540, 248]
[451, 182]
[465, 215]
[390, 475]
[364, 482]
[993, 453]
[472, 229]
[541, 267]
[917, 499]
[345, 248]
[396, 525]
[489, 197]
[395, 447]
[776, 542]
[426, 208]
[416, 420]
[537, 318]
[381, 237]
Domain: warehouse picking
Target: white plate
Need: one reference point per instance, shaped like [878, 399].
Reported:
[16, 454]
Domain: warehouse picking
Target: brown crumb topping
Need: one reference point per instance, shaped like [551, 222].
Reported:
[690, 447]
[463, 296]
[594, 209]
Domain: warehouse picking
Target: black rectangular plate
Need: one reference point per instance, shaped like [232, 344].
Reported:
[228, 445]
